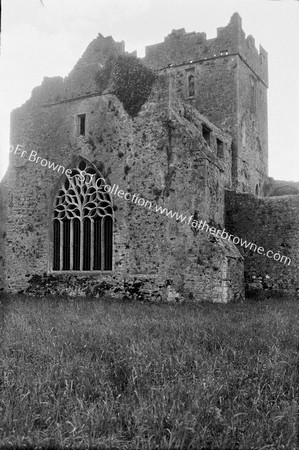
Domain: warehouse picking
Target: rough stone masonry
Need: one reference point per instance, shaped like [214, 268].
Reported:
[186, 129]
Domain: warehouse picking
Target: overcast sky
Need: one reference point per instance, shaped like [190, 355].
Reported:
[46, 38]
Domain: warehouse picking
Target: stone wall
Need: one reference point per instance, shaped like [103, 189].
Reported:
[2, 241]
[161, 156]
[252, 134]
[272, 223]
[183, 151]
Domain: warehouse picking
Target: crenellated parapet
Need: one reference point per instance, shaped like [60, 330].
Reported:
[236, 41]
[180, 47]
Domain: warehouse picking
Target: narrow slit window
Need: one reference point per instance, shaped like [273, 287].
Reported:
[81, 124]
[206, 134]
[191, 85]
[220, 152]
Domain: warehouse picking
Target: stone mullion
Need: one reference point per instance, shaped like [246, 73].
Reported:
[61, 245]
[102, 244]
[71, 244]
[81, 242]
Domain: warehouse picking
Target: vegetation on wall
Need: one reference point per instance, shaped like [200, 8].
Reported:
[132, 81]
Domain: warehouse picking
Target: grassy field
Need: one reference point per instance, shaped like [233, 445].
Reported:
[107, 374]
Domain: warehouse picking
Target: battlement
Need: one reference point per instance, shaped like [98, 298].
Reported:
[181, 33]
[180, 47]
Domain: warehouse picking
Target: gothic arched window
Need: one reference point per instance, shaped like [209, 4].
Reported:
[82, 222]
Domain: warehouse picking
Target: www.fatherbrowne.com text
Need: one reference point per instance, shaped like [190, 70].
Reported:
[195, 224]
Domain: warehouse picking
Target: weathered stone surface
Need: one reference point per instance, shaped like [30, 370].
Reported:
[172, 149]
[2, 240]
[272, 223]
[161, 156]
[230, 84]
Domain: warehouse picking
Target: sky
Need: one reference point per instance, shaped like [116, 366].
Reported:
[46, 38]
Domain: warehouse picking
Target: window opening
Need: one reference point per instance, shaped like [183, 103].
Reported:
[191, 85]
[81, 124]
[206, 133]
[220, 152]
[82, 222]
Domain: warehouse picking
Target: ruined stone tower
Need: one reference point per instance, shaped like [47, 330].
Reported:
[114, 168]
[228, 80]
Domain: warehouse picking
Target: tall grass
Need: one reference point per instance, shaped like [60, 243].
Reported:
[106, 374]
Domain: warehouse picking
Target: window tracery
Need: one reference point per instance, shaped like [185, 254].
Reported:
[82, 222]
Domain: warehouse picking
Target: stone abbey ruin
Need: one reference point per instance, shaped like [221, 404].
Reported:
[184, 128]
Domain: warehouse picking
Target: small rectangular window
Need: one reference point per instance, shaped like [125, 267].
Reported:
[190, 73]
[206, 133]
[220, 152]
[81, 124]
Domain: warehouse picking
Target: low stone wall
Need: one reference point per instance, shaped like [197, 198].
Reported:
[87, 286]
[227, 288]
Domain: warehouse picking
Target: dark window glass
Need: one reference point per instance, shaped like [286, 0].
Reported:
[76, 244]
[81, 124]
[108, 243]
[206, 133]
[66, 245]
[191, 85]
[220, 152]
[97, 243]
[56, 238]
[86, 249]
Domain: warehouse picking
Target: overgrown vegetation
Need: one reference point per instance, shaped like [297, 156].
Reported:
[106, 374]
[132, 81]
